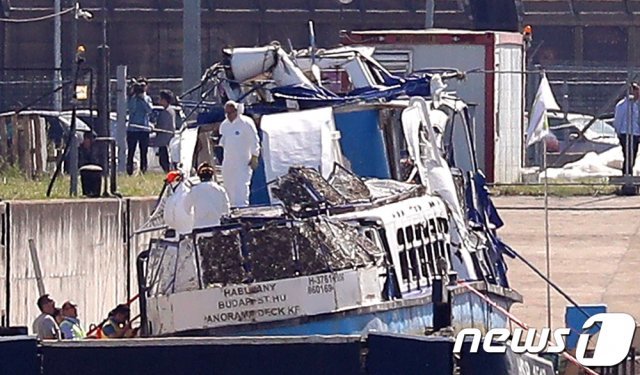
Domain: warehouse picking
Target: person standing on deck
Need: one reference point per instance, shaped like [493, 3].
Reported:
[176, 214]
[241, 150]
[166, 124]
[140, 107]
[628, 132]
[207, 200]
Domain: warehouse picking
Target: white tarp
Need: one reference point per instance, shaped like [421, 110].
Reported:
[606, 164]
[306, 138]
[182, 147]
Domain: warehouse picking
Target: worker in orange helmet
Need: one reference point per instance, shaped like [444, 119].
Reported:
[176, 214]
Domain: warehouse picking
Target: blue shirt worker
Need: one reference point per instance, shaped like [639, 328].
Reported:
[627, 127]
[140, 107]
[70, 326]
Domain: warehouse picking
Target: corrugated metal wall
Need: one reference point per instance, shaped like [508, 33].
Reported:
[509, 128]
[82, 253]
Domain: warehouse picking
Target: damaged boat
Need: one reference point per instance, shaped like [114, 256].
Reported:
[369, 214]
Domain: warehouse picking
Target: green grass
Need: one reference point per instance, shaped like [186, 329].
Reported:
[14, 186]
[555, 190]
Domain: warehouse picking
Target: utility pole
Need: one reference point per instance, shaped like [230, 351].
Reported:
[191, 51]
[121, 128]
[57, 55]
[430, 7]
[102, 128]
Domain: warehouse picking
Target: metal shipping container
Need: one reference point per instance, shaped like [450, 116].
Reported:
[495, 82]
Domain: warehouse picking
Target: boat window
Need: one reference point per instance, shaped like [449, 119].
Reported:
[271, 251]
[421, 250]
[443, 225]
[369, 234]
[215, 247]
[404, 266]
[161, 268]
[425, 232]
[400, 237]
[409, 232]
[402, 254]
[418, 232]
[415, 268]
[433, 229]
[458, 140]
[424, 267]
[374, 236]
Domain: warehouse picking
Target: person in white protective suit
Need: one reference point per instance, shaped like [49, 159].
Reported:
[176, 214]
[208, 200]
[241, 150]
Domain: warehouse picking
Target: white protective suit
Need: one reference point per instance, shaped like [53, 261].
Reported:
[240, 141]
[209, 202]
[176, 213]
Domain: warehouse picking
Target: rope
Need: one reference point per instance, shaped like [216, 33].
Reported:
[36, 19]
[520, 323]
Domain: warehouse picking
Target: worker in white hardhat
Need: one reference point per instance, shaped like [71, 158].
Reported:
[241, 150]
[176, 214]
[207, 199]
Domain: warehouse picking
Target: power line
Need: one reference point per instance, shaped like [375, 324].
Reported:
[37, 19]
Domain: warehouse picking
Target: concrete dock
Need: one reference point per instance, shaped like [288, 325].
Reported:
[594, 247]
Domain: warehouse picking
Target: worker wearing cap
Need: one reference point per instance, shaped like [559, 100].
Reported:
[241, 144]
[625, 121]
[207, 199]
[176, 214]
[70, 326]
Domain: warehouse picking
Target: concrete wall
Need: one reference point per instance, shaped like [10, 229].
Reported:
[82, 251]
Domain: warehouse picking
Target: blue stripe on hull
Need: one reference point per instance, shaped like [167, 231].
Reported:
[468, 310]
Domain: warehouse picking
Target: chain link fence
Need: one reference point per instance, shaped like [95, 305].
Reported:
[583, 146]
[39, 89]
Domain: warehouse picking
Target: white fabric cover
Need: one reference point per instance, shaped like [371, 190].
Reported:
[303, 138]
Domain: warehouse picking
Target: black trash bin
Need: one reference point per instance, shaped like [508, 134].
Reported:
[91, 180]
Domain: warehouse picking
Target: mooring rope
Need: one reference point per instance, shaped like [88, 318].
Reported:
[522, 324]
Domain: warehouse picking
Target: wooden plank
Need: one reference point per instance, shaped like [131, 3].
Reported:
[39, 144]
[30, 147]
[4, 146]
[13, 154]
[22, 149]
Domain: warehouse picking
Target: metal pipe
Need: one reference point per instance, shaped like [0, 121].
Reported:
[57, 55]
[111, 159]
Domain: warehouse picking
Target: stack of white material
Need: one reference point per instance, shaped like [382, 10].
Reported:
[606, 164]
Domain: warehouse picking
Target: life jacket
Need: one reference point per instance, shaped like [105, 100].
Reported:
[77, 332]
[109, 323]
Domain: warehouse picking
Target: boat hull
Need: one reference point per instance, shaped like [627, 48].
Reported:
[408, 316]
